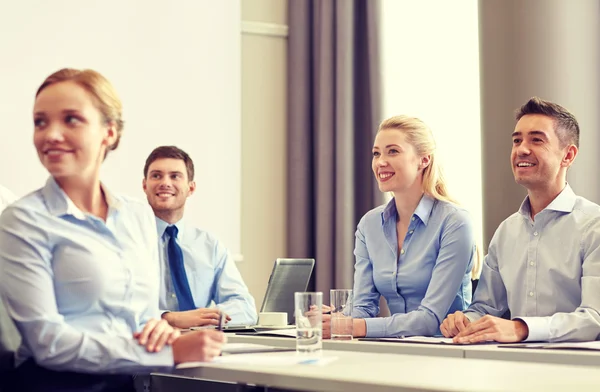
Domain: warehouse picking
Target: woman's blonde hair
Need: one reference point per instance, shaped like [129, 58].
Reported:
[419, 135]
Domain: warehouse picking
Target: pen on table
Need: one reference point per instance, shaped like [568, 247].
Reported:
[221, 321]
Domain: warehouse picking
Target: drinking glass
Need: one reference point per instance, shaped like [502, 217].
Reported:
[341, 314]
[309, 322]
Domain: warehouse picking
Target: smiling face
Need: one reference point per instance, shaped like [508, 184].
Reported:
[396, 164]
[539, 160]
[167, 188]
[71, 134]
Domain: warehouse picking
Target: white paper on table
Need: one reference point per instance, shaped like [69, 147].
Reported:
[290, 333]
[275, 360]
[232, 348]
[593, 345]
[266, 360]
[419, 339]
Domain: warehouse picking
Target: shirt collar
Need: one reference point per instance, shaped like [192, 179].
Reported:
[161, 226]
[59, 203]
[423, 210]
[564, 202]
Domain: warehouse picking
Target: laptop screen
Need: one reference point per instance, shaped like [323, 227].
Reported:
[288, 277]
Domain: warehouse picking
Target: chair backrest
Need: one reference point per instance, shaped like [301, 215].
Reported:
[474, 283]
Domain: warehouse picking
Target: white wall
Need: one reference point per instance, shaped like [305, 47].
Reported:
[176, 66]
[430, 70]
[264, 110]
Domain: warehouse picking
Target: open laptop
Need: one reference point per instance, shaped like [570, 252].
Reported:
[288, 276]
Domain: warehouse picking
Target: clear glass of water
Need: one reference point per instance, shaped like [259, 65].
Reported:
[341, 314]
[309, 322]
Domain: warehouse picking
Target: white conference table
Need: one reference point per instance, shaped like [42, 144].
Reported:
[361, 371]
[557, 356]
[491, 351]
[437, 350]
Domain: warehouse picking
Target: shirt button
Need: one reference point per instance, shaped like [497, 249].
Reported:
[535, 233]
[413, 218]
[410, 232]
[402, 252]
[531, 293]
[531, 263]
[173, 295]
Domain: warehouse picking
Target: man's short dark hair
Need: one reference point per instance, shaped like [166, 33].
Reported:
[173, 153]
[565, 123]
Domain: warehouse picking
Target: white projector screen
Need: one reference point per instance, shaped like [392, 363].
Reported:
[177, 68]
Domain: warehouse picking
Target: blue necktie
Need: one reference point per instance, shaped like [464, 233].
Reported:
[180, 281]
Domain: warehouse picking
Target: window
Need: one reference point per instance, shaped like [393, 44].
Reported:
[430, 69]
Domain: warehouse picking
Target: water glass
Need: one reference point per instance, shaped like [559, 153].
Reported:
[341, 314]
[309, 322]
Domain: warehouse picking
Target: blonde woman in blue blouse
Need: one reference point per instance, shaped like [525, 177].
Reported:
[418, 250]
[78, 263]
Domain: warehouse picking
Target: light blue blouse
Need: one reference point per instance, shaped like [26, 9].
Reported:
[427, 280]
[78, 287]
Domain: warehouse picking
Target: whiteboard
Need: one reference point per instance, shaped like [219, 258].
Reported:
[177, 68]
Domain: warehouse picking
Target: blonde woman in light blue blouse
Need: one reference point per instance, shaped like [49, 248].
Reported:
[79, 263]
[418, 250]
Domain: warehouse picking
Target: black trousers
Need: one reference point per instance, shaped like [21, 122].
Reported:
[34, 378]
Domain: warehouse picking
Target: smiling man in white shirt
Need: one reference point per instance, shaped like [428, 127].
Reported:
[196, 268]
[543, 262]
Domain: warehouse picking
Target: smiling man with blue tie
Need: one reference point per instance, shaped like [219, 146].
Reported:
[196, 268]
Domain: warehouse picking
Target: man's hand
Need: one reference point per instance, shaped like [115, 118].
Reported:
[490, 328]
[194, 318]
[200, 346]
[454, 324]
[155, 334]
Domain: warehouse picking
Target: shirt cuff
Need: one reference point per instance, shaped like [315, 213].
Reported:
[360, 313]
[161, 361]
[472, 316]
[539, 328]
[376, 327]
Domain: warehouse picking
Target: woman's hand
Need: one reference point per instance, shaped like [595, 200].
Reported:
[200, 346]
[156, 334]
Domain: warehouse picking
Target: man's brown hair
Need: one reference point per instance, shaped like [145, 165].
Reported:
[170, 152]
[565, 123]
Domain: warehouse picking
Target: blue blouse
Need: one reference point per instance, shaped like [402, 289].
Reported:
[427, 280]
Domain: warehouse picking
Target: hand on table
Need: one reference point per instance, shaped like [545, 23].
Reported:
[156, 334]
[194, 318]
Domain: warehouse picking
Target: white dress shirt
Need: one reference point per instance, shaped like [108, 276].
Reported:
[9, 336]
[211, 273]
[547, 271]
